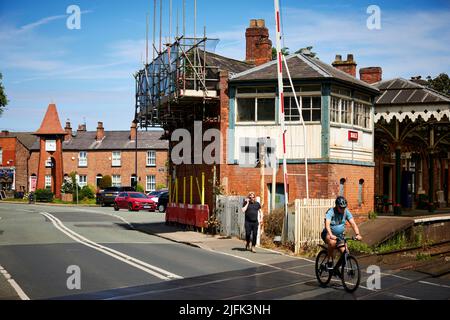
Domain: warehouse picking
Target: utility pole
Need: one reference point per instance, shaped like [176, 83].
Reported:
[77, 179]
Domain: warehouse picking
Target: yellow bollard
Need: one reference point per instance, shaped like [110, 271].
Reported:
[191, 193]
[203, 188]
[184, 190]
[176, 191]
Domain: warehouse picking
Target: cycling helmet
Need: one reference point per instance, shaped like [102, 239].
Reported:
[341, 202]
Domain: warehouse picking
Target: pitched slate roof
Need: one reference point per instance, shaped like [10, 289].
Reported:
[224, 63]
[301, 67]
[51, 124]
[26, 138]
[401, 91]
[114, 140]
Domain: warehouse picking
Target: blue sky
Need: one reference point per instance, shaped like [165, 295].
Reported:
[88, 72]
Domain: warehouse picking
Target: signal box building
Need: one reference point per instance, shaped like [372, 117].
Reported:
[240, 99]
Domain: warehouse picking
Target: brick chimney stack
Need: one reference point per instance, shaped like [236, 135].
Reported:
[371, 75]
[259, 46]
[133, 131]
[68, 130]
[100, 132]
[348, 66]
[82, 127]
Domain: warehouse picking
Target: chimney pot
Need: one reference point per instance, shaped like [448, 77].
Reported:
[133, 131]
[100, 132]
[68, 130]
[82, 127]
[348, 66]
[253, 23]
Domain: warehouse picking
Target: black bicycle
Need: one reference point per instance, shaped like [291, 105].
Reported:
[346, 268]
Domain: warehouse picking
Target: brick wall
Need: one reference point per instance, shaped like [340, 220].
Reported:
[8, 146]
[324, 182]
[21, 163]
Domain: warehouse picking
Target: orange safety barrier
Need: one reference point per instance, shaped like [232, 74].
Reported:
[190, 215]
[201, 215]
[171, 213]
[181, 214]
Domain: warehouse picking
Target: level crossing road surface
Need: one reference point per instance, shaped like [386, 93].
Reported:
[58, 252]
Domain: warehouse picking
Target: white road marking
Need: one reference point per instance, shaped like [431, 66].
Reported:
[139, 264]
[395, 276]
[434, 284]
[22, 295]
[404, 297]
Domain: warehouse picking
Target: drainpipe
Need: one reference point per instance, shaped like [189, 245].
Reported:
[398, 182]
[431, 183]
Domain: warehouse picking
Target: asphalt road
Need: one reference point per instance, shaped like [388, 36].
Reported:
[41, 246]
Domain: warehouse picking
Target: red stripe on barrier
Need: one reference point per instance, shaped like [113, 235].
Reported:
[282, 103]
[278, 21]
[280, 63]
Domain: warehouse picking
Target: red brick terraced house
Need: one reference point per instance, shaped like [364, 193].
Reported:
[14, 155]
[91, 154]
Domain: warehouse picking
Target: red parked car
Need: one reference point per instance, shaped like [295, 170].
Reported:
[134, 201]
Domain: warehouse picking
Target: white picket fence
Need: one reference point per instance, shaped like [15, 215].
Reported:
[309, 220]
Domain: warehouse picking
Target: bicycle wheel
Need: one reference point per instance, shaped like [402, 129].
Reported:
[350, 274]
[322, 273]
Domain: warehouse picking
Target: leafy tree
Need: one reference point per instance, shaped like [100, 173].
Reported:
[105, 182]
[140, 188]
[3, 100]
[284, 51]
[67, 186]
[441, 83]
[161, 186]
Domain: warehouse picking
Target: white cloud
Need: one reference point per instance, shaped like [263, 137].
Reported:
[41, 22]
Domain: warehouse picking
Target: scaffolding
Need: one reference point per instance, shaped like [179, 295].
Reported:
[177, 77]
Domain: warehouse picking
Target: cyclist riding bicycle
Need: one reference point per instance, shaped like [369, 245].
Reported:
[333, 233]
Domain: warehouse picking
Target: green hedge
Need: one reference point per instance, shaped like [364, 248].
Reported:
[43, 195]
[86, 193]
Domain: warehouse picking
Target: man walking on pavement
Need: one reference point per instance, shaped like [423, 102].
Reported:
[252, 211]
